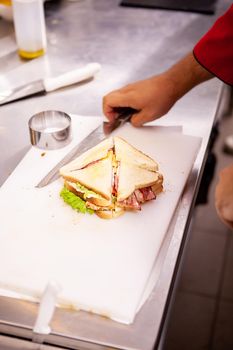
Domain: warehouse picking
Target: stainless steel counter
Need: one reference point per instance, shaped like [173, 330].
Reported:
[130, 44]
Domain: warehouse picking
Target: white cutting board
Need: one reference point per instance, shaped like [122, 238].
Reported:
[103, 266]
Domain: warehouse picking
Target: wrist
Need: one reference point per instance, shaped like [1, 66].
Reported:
[186, 74]
[166, 85]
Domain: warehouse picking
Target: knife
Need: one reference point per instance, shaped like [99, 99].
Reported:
[91, 140]
[49, 84]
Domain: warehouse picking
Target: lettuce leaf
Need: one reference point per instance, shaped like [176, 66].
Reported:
[74, 201]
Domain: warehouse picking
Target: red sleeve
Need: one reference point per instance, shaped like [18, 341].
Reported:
[215, 49]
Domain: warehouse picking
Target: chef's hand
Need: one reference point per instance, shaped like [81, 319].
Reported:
[155, 96]
[152, 98]
[224, 196]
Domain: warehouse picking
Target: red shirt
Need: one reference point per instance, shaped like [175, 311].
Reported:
[215, 49]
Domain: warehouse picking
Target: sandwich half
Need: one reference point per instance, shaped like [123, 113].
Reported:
[111, 178]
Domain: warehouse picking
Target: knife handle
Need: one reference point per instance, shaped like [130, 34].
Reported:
[72, 77]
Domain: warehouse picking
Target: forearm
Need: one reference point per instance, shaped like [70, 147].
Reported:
[186, 74]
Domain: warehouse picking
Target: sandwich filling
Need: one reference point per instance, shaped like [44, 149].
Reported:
[74, 201]
[111, 178]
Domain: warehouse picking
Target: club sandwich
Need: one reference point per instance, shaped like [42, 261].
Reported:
[111, 178]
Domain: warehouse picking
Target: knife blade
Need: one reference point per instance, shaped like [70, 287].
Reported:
[49, 84]
[91, 140]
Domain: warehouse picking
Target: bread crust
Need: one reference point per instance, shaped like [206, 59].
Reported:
[101, 202]
[71, 179]
[158, 187]
[95, 153]
[109, 214]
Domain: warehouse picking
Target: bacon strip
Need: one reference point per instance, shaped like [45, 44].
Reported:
[138, 197]
[130, 203]
[147, 193]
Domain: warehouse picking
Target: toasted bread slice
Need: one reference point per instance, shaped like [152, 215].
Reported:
[126, 153]
[97, 200]
[132, 177]
[96, 177]
[94, 154]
